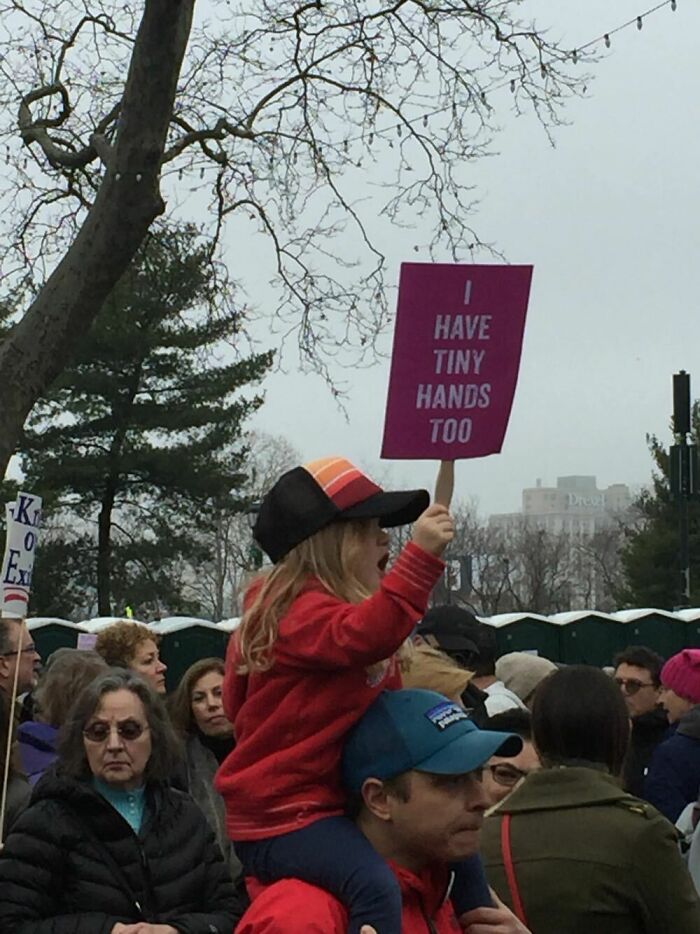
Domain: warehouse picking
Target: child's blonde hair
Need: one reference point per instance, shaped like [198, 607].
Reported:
[332, 556]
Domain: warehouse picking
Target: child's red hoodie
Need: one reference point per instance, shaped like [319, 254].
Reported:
[290, 721]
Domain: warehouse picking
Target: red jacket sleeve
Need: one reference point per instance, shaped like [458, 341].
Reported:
[322, 631]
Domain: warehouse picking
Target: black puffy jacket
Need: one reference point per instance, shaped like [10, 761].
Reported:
[57, 877]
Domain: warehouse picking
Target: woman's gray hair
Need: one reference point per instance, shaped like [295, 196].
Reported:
[165, 751]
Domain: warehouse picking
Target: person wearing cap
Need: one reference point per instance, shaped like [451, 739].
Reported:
[522, 673]
[412, 771]
[569, 851]
[473, 643]
[673, 777]
[318, 642]
[440, 630]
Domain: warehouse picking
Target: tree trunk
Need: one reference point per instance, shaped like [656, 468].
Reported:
[104, 554]
[128, 201]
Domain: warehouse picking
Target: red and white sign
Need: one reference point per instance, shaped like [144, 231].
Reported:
[459, 332]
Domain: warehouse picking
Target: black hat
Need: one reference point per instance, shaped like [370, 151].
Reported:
[453, 628]
[307, 499]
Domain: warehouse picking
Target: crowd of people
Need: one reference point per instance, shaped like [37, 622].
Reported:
[359, 762]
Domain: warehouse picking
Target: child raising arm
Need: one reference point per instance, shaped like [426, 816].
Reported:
[318, 642]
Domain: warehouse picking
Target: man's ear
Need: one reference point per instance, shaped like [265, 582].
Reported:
[376, 798]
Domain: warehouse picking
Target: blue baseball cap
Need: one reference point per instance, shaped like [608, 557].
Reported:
[421, 730]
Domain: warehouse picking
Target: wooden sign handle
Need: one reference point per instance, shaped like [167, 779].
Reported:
[445, 483]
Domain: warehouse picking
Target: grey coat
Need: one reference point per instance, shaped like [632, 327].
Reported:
[201, 766]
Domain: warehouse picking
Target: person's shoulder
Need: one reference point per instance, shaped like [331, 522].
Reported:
[291, 906]
[676, 748]
[642, 819]
[182, 802]
[637, 808]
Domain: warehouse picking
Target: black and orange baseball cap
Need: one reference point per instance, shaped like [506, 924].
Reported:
[306, 499]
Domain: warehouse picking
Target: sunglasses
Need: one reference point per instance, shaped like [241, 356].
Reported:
[506, 775]
[99, 731]
[632, 685]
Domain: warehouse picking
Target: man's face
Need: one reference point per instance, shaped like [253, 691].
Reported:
[638, 688]
[22, 653]
[440, 821]
[501, 776]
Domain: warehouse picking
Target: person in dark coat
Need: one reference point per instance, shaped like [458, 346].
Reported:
[17, 792]
[638, 675]
[106, 846]
[569, 850]
[673, 777]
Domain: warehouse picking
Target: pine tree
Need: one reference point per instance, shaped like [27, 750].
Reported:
[141, 433]
[650, 557]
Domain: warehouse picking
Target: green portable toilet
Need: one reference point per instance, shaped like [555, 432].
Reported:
[186, 639]
[50, 633]
[525, 632]
[691, 619]
[230, 625]
[98, 623]
[660, 630]
[587, 637]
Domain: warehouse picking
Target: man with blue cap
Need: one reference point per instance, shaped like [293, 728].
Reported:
[412, 769]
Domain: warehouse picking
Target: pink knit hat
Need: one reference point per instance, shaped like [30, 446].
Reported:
[681, 674]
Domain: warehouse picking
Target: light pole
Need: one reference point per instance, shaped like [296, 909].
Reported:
[684, 468]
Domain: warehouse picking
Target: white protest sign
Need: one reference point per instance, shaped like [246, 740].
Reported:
[23, 519]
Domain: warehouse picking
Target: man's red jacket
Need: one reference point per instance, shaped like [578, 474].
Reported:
[290, 722]
[295, 907]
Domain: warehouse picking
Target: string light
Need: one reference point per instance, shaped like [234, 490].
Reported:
[605, 38]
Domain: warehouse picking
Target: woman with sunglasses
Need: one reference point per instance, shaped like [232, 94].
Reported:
[569, 851]
[106, 846]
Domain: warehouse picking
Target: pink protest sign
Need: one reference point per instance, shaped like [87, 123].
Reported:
[459, 332]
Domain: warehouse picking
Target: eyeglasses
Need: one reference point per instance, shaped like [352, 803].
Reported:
[28, 649]
[632, 685]
[506, 775]
[99, 731]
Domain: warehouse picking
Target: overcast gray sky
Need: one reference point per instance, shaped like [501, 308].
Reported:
[609, 219]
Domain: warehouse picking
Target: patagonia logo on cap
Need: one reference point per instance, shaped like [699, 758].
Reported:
[445, 715]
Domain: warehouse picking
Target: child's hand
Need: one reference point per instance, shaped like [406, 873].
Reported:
[433, 530]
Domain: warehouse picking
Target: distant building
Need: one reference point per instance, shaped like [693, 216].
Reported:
[575, 507]
[576, 563]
